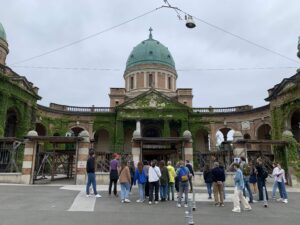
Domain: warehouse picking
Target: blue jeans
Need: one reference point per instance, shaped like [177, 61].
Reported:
[247, 186]
[275, 185]
[163, 191]
[261, 182]
[171, 189]
[91, 180]
[125, 188]
[142, 191]
[282, 190]
[183, 188]
[208, 186]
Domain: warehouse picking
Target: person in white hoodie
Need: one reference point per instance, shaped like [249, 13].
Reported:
[154, 175]
[281, 184]
[275, 184]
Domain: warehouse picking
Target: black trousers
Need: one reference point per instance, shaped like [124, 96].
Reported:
[153, 186]
[147, 189]
[113, 180]
[261, 182]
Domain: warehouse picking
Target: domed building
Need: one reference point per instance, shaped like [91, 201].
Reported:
[149, 118]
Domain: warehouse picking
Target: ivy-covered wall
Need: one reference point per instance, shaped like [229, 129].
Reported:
[12, 96]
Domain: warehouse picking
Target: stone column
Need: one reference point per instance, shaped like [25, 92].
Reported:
[29, 159]
[82, 156]
[136, 145]
[238, 148]
[188, 146]
[90, 129]
[136, 152]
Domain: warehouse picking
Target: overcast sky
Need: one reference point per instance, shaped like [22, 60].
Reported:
[34, 27]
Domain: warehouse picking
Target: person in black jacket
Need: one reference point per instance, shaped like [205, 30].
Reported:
[190, 167]
[208, 179]
[90, 169]
[218, 180]
[261, 179]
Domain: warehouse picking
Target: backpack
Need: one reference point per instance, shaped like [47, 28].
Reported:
[246, 170]
[264, 173]
[183, 174]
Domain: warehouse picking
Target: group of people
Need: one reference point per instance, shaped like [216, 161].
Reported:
[156, 177]
[152, 179]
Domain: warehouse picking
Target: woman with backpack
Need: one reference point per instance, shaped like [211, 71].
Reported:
[141, 179]
[183, 174]
[262, 175]
[125, 181]
[163, 180]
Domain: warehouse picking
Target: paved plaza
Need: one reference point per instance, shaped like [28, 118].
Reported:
[68, 205]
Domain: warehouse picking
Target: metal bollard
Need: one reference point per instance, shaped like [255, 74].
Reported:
[190, 219]
[194, 201]
[265, 197]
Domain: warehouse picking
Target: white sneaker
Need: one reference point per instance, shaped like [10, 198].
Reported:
[122, 201]
[185, 205]
[179, 205]
[247, 209]
[127, 200]
[98, 196]
[236, 210]
[150, 203]
[88, 196]
[156, 202]
[285, 201]
[139, 200]
[279, 200]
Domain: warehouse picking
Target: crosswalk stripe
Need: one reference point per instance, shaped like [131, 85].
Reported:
[83, 203]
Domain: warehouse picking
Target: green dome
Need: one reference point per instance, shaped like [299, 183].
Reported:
[2, 32]
[150, 51]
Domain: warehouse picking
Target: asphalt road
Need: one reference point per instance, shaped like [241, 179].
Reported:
[49, 205]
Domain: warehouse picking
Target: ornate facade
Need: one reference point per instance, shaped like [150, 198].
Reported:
[149, 117]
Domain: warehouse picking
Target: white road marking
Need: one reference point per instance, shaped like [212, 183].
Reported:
[83, 203]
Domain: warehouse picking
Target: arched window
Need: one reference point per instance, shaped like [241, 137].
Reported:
[11, 123]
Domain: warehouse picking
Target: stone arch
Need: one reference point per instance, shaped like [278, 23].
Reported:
[201, 141]
[76, 130]
[11, 123]
[40, 129]
[295, 124]
[224, 137]
[264, 132]
[102, 143]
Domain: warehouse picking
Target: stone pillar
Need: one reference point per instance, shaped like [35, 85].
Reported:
[29, 159]
[82, 156]
[188, 146]
[167, 128]
[136, 152]
[90, 129]
[238, 148]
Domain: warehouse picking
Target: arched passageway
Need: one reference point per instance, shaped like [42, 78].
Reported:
[40, 129]
[295, 125]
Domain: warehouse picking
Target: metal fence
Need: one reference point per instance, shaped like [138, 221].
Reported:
[11, 155]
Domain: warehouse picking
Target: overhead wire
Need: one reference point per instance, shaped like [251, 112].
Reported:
[85, 38]
[149, 12]
[179, 70]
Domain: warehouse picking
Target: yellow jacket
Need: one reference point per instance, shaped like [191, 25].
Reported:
[172, 174]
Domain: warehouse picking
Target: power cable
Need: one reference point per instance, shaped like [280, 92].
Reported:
[181, 70]
[85, 38]
[235, 35]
